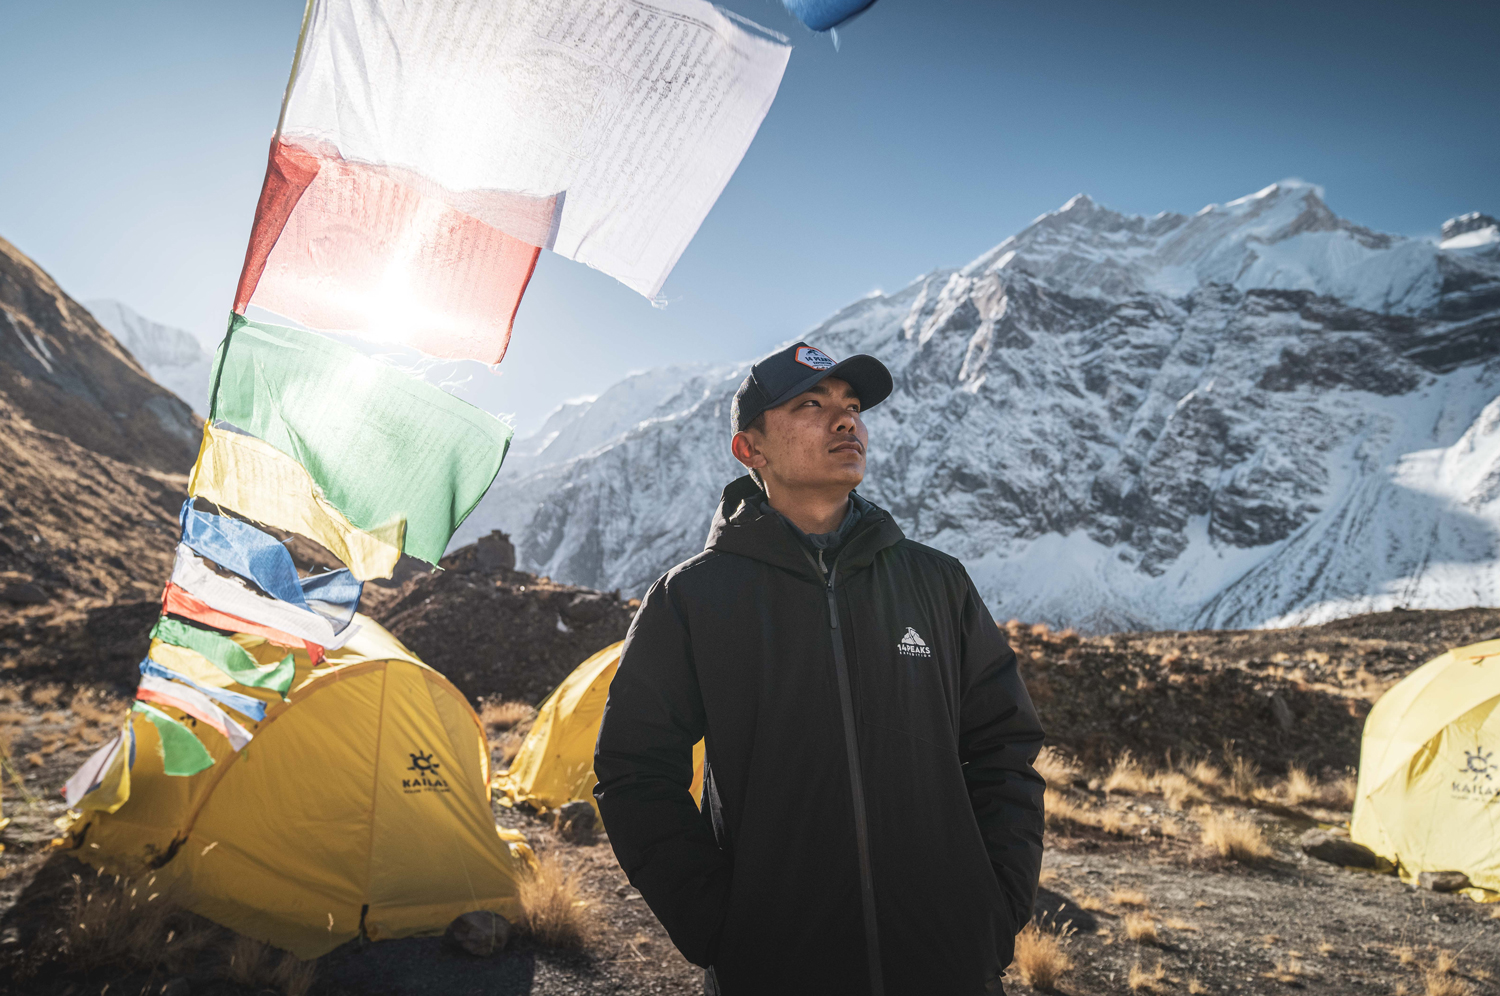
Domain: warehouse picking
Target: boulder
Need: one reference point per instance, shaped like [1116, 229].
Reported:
[22, 593]
[495, 553]
[480, 933]
[576, 822]
[1337, 849]
[1443, 881]
[587, 607]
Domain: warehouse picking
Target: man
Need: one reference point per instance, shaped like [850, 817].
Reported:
[871, 821]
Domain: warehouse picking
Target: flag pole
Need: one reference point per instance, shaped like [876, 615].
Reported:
[296, 64]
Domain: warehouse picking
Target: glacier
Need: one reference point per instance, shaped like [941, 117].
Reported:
[1261, 414]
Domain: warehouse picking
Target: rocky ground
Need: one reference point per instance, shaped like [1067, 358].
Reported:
[1155, 736]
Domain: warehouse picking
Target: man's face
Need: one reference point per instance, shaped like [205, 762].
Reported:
[815, 440]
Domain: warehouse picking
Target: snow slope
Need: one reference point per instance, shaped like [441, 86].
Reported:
[1260, 414]
[172, 357]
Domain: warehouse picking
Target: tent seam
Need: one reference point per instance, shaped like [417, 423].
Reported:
[385, 678]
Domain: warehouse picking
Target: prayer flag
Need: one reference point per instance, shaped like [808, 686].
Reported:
[227, 656]
[426, 150]
[257, 556]
[193, 702]
[192, 574]
[241, 473]
[182, 753]
[103, 781]
[254, 708]
[177, 602]
[380, 445]
[822, 15]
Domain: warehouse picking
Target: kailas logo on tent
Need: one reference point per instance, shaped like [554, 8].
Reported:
[912, 645]
[427, 779]
[815, 358]
[1479, 763]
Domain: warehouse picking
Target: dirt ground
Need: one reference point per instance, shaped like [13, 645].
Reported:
[1277, 923]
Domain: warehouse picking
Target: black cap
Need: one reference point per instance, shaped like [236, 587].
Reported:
[782, 376]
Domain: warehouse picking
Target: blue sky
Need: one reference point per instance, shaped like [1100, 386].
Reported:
[133, 140]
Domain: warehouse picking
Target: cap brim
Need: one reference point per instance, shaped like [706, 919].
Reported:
[868, 376]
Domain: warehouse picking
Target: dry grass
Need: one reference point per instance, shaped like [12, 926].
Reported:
[1234, 837]
[114, 921]
[1061, 810]
[1244, 776]
[256, 963]
[1436, 983]
[1141, 928]
[1177, 790]
[1127, 776]
[1146, 980]
[1177, 923]
[1206, 774]
[1115, 821]
[1055, 767]
[91, 706]
[1287, 970]
[1041, 957]
[551, 912]
[1129, 897]
[1339, 793]
[1084, 901]
[1405, 954]
[503, 714]
[1299, 786]
[1445, 962]
[1196, 986]
[46, 695]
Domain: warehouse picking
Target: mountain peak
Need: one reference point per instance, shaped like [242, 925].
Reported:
[1469, 231]
[174, 358]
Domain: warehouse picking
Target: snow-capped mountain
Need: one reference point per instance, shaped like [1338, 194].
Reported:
[1260, 414]
[174, 358]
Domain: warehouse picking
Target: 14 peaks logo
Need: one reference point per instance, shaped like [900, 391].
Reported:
[426, 778]
[912, 644]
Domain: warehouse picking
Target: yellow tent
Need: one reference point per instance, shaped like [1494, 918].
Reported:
[555, 764]
[1428, 796]
[361, 804]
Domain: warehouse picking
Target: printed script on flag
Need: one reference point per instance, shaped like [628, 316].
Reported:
[428, 151]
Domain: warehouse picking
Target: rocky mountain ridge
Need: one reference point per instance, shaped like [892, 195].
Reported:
[1260, 414]
[93, 453]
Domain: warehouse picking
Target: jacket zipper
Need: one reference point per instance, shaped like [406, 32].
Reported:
[856, 780]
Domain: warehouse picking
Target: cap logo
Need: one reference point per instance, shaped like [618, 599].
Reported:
[808, 356]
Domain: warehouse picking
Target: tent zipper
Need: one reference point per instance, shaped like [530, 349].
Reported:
[856, 780]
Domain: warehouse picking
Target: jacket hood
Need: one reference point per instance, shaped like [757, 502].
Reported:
[742, 527]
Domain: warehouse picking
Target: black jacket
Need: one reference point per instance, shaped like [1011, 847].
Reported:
[773, 882]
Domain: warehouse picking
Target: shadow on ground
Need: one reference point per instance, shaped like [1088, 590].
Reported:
[35, 960]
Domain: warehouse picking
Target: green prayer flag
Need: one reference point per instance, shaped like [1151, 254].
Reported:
[182, 753]
[228, 656]
[380, 444]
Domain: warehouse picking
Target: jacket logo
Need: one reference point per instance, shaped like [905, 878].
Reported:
[912, 645]
[810, 356]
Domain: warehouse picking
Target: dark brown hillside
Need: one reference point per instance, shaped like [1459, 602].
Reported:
[93, 453]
